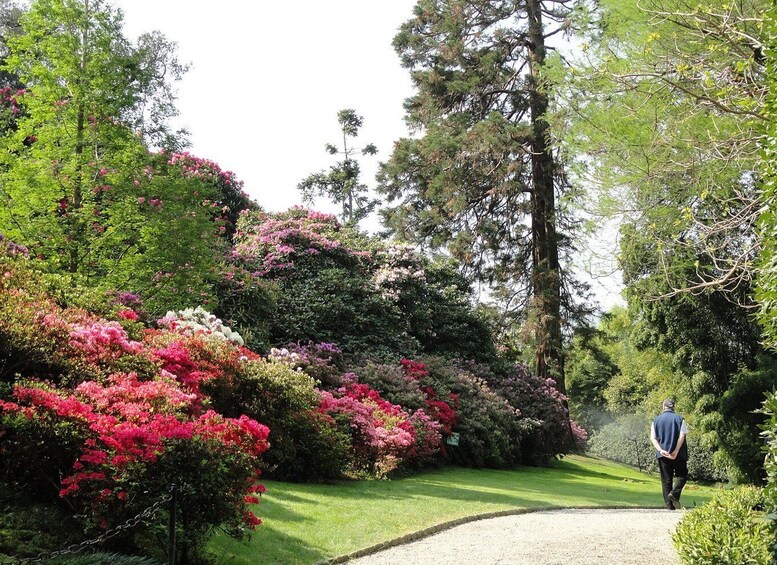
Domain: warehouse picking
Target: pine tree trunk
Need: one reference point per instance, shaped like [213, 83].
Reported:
[546, 281]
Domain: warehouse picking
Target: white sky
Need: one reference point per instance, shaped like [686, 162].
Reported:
[268, 78]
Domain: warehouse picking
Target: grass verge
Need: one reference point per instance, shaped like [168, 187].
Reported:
[305, 524]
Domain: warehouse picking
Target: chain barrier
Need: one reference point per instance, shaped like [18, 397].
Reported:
[148, 513]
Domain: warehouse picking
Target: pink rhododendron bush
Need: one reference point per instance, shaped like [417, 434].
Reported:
[338, 285]
[106, 415]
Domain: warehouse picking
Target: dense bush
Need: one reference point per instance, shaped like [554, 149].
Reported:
[120, 419]
[738, 425]
[393, 383]
[372, 299]
[322, 361]
[769, 433]
[490, 430]
[306, 444]
[542, 410]
[731, 529]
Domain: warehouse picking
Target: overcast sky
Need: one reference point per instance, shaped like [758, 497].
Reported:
[268, 78]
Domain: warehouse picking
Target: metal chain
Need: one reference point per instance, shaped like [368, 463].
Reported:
[148, 513]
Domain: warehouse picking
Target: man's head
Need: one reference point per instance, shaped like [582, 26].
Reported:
[668, 404]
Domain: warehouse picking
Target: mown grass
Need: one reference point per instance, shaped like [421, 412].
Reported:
[304, 524]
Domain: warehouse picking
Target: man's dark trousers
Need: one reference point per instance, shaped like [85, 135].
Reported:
[674, 473]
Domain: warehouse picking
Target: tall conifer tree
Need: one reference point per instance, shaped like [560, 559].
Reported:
[481, 178]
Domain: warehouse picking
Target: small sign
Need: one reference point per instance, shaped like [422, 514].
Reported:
[453, 439]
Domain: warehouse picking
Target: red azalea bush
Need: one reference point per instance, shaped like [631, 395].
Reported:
[123, 436]
[109, 441]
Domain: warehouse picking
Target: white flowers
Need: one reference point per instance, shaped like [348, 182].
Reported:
[193, 320]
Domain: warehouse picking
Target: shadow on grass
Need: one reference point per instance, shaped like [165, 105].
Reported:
[575, 484]
[267, 546]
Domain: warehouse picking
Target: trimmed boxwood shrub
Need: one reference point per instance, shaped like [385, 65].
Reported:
[731, 529]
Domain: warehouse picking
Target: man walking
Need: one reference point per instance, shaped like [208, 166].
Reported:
[668, 433]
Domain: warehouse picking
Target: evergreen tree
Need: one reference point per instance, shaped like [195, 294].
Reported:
[341, 184]
[482, 178]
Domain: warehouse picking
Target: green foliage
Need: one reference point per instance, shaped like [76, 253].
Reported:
[306, 445]
[612, 373]
[731, 529]
[490, 429]
[766, 288]
[80, 187]
[30, 528]
[102, 559]
[740, 420]
[627, 440]
[769, 434]
[341, 184]
[589, 369]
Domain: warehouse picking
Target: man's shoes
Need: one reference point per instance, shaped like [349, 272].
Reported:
[675, 502]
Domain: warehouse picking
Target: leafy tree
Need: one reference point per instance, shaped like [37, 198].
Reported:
[482, 178]
[80, 187]
[341, 184]
[667, 105]
[671, 137]
[10, 13]
[612, 374]
[767, 225]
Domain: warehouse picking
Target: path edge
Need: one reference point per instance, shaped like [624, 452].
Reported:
[426, 532]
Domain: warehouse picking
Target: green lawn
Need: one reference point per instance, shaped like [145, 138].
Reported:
[304, 524]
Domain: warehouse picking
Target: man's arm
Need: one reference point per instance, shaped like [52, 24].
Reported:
[679, 445]
[654, 440]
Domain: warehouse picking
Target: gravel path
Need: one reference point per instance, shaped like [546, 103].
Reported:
[555, 537]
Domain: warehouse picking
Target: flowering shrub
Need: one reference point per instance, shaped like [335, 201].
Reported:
[323, 274]
[490, 429]
[393, 383]
[444, 411]
[121, 419]
[319, 360]
[382, 433]
[199, 320]
[273, 244]
[10, 248]
[541, 407]
[10, 106]
[125, 431]
[399, 264]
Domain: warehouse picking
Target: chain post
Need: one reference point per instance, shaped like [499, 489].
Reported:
[171, 524]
